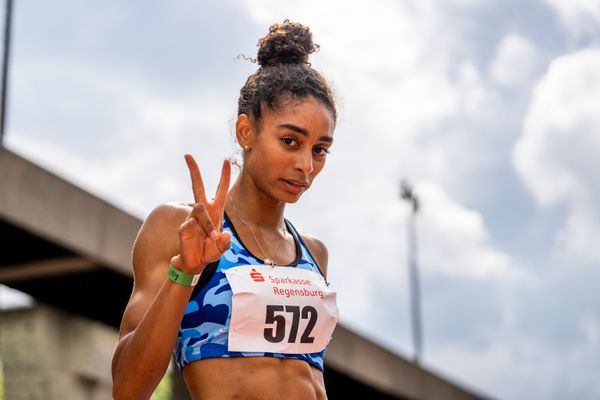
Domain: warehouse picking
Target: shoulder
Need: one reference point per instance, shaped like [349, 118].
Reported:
[164, 220]
[318, 250]
[167, 214]
[158, 237]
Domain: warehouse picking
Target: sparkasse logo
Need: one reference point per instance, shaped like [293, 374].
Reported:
[256, 276]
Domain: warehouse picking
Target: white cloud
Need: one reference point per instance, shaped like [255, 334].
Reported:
[514, 64]
[455, 241]
[579, 16]
[532, 370]
[11, 298]
[148, 133]
[474, 94]
[558, 151]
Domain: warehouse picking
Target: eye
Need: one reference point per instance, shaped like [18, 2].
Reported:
[288, 140]
[321, 151]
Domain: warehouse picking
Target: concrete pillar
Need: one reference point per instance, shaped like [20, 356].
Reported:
[48, 354]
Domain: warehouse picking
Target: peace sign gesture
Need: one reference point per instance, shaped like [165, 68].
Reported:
[201, 240]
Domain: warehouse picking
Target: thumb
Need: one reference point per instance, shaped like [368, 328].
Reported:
[224, 241]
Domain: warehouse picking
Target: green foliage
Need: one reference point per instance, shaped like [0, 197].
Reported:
[163, 390]
[1, 381]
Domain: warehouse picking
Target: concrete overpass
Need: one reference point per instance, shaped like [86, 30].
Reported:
[71, 250]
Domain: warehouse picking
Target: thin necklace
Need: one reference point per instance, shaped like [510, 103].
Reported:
[268, 261]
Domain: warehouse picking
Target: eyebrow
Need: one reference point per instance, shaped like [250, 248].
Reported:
[303, 132]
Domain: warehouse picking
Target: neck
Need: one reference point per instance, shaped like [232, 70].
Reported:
[254, 206]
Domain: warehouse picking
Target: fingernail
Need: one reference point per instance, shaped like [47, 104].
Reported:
[213, 235]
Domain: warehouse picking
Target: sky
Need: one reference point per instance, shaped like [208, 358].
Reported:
[489, 108]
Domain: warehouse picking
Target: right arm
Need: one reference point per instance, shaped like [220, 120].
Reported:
[154, 312]
[188, 239]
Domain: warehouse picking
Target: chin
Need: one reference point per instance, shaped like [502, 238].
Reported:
[293, 201]
[291, 198]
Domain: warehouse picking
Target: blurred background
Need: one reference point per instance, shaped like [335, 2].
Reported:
[488, 108]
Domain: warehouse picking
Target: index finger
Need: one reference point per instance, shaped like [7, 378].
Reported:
[197, 184]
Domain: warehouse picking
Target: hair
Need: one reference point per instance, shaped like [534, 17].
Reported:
[284, 70]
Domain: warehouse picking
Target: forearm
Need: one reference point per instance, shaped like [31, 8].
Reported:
[143, 355]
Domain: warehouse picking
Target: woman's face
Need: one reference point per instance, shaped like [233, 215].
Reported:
[289, 147]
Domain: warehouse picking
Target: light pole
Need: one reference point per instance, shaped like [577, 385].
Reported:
[406, 193]
[5, 60]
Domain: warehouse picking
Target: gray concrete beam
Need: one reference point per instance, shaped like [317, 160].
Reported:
[45, 268]
[57, 210]
[374, 365]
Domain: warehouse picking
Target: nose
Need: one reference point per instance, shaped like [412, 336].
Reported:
[304, 162]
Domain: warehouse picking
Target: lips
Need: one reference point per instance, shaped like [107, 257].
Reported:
[295, 186]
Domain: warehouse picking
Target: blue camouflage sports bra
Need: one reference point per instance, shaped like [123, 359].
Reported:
[204, 328]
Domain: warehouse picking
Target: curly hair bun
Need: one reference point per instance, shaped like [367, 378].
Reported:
[287, 43]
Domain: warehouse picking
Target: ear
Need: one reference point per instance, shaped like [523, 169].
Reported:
[244, 131]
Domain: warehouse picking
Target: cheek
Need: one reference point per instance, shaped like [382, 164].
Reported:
[317, 168]
[271, 162]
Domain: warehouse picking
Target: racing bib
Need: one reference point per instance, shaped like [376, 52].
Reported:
[280, 310]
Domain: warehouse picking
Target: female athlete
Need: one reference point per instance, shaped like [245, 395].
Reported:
[228, 285]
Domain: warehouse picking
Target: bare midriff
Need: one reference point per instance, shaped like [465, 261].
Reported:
[265, 378]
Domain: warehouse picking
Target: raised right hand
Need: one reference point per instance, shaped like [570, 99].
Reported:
[201, 239]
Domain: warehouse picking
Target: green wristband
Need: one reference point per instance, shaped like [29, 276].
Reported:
[181, 277]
